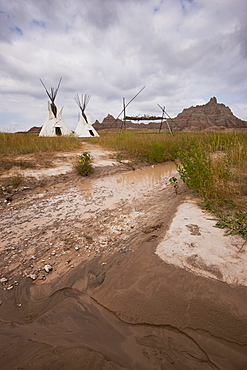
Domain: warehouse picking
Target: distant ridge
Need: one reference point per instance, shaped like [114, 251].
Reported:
[212, 116]
[110, 122]
[34, 130]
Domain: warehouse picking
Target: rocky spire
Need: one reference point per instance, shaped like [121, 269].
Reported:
[213, 100]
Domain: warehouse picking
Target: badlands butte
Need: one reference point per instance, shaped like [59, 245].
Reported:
[117, 271]
[212, 116]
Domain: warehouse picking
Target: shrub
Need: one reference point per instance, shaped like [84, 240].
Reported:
[84, 165]
[11, 183]
[196, 169]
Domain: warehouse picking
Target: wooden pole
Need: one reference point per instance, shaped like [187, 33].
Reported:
[164, 112]
[162, 119]
[124, 111]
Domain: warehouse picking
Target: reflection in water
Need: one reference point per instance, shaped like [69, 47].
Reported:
[106, 192]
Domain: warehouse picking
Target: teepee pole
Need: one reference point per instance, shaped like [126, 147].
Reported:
[164, 112]
[52, 96]
[82, 104]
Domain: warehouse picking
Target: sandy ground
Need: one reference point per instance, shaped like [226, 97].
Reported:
[193, 242]
[116, 271]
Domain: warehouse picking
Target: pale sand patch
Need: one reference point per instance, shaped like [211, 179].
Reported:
[194, 243]
[64, 163]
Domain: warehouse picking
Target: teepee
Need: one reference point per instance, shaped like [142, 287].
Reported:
[84, 127]
[54, 124]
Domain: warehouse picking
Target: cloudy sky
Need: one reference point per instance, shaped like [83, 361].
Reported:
[182, 51]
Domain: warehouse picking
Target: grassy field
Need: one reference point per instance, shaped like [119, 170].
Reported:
[213, 165]
[13, 145]
[24, 144]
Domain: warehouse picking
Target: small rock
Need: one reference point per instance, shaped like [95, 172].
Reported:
[1, 302]
[33, 276]
[3, 280]
[19, 304]
[8, 199]
[10, 287]
[76, 248]
[33, 258]
[47, 268]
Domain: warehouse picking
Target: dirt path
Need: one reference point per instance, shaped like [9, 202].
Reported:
[83, 285]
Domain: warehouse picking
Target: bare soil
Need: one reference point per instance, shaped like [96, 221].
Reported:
[82, 286]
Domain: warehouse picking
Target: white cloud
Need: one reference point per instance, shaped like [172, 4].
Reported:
[183, 51]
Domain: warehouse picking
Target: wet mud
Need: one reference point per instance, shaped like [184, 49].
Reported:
[109, 301]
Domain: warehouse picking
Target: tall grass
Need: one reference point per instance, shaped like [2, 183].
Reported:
[24, 144]
[213, 165]
[149, 147]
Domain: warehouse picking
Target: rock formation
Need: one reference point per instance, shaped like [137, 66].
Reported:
[34, 130]
[110, 122]
[211, 116]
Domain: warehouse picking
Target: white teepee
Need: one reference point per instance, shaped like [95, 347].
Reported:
[54, 124]
[84, 127]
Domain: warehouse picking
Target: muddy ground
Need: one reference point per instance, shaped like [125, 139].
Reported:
[82, 284]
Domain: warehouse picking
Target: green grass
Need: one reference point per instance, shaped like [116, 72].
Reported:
[213, 165]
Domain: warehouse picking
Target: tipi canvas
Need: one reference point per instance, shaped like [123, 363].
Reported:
[84, 127]
[54, 124]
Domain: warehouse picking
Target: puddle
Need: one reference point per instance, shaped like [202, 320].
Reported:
[106, 192]
[78, 203]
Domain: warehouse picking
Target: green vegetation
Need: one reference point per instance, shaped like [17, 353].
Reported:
[213, 165]
[149, 147]
[84, 165]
